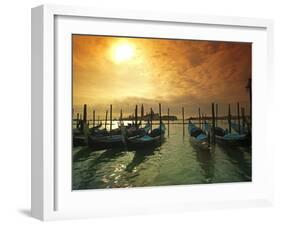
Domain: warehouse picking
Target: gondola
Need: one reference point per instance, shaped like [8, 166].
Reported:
[235, 127]
[100, 141]
[198, 137]
[152, 139]
[79, 140]
[224, 137]
[105, 142]
[78, 137]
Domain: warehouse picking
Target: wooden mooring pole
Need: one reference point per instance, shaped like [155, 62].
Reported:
[110, 118]
[77, 121]
[213, 124]
[249, 87]
[168, 121]
[160, 114]
[217, 114]
[243, 119]
[151, 117]
[81, 121]
[136, 116]
[238, 117]
[85, 113]
[121, 115]
[229, 118]
[142, 114]
[84, 123]
[94, 118]
[105, 122]
[160, 122]
[199, 117]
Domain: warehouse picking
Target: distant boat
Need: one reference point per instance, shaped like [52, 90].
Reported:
[224, 137]
[198, 137]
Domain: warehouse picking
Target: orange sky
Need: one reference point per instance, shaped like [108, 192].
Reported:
[175, 73]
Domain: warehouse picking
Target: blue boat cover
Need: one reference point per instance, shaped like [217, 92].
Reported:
[146, 138]
[192, 130]
[235, 126]
[234, 136]
[201, 136]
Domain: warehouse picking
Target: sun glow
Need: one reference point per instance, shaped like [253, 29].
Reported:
[123, 52]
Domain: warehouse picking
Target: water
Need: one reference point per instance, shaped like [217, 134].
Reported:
[176, 162]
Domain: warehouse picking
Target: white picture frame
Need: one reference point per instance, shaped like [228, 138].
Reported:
[52, 198]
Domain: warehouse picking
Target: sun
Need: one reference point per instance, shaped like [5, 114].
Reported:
[123, 52]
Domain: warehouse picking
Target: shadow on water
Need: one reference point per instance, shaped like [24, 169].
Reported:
[93, 162]
[80, 152]
[238, 157]
[206, 161]
[106, 154]
[141, 155]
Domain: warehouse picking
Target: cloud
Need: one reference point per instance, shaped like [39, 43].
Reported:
[174, 72]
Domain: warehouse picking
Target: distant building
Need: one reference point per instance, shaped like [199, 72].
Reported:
[170, 117]
[154, 117]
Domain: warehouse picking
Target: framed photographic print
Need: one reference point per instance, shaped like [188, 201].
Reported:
[136, 112]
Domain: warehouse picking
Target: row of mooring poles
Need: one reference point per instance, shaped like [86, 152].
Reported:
[82, 122]
[240, 115]
[202, 117]
[229, 118]
[138, 120]
[82, 118]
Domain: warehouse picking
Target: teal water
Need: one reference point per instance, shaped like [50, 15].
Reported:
[176, 162]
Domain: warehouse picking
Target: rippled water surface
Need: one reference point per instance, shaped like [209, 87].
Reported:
[175, 162]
